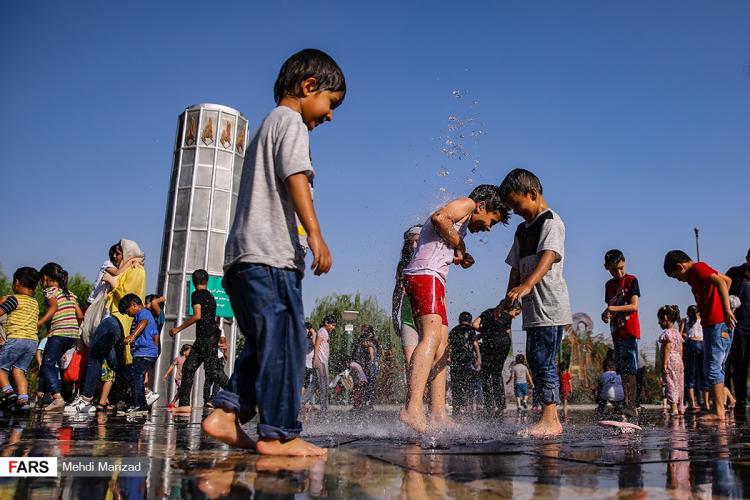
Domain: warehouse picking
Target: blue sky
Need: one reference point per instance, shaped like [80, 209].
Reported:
[635, 115]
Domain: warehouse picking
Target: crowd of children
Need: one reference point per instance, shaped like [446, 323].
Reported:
[264, 264]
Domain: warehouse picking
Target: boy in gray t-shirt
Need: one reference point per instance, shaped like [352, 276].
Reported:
[536, 280]
[264, 261]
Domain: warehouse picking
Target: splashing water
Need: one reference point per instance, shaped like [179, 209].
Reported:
[443, 172]
[458, 94]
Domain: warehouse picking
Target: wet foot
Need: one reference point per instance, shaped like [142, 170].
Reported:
[415, 421]
[181, 410]
[224, 426]
[711, 417]
[269, 463]
[295, 448]
[443, 423]
[542, 430]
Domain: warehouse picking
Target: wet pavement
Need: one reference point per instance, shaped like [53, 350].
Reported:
[374, 456]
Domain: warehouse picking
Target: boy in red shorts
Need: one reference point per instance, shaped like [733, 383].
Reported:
[441, 244]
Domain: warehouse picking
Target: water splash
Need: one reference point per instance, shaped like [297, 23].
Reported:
[443, 172]
[458, 94]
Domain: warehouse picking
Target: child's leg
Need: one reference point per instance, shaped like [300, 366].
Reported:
[4, 380]
[56, 347]
[22, 386]
[102, 341]
[422, 361]
[438, 411]
[104, 396]
[198, 355]
[542, 346]
[717, 341]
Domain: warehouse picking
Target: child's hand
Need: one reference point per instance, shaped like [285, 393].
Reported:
[606, 315]
[322, 260]
[517, 293]
[173, 332]
[467, 261]
[729, 319]
[129, 339]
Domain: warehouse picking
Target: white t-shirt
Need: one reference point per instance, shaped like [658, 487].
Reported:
[695, 332]
[310, 353]
[99, 284]
[324, 349]
[611, 384]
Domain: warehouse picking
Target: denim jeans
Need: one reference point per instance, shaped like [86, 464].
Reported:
[136, 371]
[740, 356]
[101, 349]
[542, 346]
[694, 365]
[626, 356]
[50, 371]
[717, 340]
[320, 384]
[267, 304]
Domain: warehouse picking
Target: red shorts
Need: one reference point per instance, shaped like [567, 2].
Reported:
[426, 295]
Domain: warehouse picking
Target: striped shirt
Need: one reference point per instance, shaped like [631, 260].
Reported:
[23, 312]
[64, 322]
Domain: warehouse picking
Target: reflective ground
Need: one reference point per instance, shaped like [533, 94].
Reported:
[374, 456]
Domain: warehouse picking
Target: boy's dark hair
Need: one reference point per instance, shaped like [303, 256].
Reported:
[151, 297]
[673, 258]
[55, 272]
[671, 313]
[490, 195]
[329, 319]
[185, 348]
[520, 359]
[519, 180]
[464, 317]
[748, 254]
[309, 63]
[308, 325]
[200, 277]
[28, 277]
[127, 301]
[113, 249]
[692, 313]
[610, 365]
[612, 257]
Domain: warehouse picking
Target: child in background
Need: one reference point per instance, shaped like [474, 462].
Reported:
[359, 379]
[264, 261]
[609, 389]
[64, 316]
[145, 345]
[155, 304]
[464, 352]
[711, 291]
[692, 331]
[673, 371]
[113, 268]
[536, 280]
[622, 295]
[176, 366]
[20, 345]
[521, 378]
[441, 243]
[564, 386]
[40, 392]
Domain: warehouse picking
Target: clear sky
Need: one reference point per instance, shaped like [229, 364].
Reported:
[635, 115]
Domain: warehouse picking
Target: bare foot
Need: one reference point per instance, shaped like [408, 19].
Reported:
[181, 410]
[543, 430]
[443, 423]
[294, 448]
[225, 427]
[416, 422]
[711, 417]
[279, 463]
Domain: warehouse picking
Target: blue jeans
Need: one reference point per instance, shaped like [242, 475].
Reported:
[136, 372]
[542, 346]
[56, 347]
[694, 365]
[101, 349]
[267, 304]
[626, 356]
[717, 339]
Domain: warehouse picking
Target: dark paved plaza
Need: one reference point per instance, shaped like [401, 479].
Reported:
[374, 456]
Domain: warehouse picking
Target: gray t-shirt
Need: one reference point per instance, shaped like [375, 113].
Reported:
[548, 303]
[264, 230]
[520, 373]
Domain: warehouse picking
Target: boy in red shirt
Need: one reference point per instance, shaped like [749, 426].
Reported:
[622, 294]
[711, 291]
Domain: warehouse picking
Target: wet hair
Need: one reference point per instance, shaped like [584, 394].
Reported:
[521, 181]
[673, 258]
[493, 202]
[407, 251]
[185, 348]
[112, 250]
[520, 359]
[329, 319]
[200, 277]
[464, 317]
[692, 314]
[309, 63]
[27, 277]
[670, 313]
[613, 257]
[55, 272]
[127, 301]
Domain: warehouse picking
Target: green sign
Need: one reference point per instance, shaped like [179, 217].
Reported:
[223, 307]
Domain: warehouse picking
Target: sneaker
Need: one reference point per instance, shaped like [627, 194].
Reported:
[55, 405]
[80, 405]
[151, 398]
[8, 400]
[134, 410]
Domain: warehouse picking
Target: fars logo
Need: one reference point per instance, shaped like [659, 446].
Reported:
[28, 466]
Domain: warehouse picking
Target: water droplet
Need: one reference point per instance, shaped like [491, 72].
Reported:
[443, 172]
[442, 190]
[469, 180]
[457, 94]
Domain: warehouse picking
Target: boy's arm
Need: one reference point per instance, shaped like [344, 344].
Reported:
[156, 304]
[547, 258]
[627, 308]
[531, 379]
[478, 355]
[444, 219]
[79, 313]
[299, 190]
[316, 350]
[723, 283]
[477, 323]
[142, 324]
[191, 320]
[169, 370]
